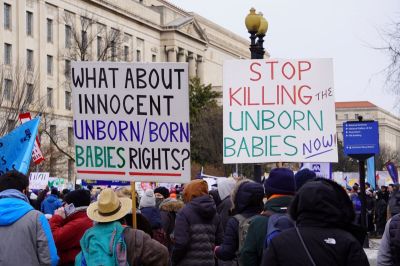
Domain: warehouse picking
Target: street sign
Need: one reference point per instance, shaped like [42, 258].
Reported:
[361, 137]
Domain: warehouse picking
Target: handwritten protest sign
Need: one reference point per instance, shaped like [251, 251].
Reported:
[279, 110]
[131, 121]
[38, 180]
[16, 147]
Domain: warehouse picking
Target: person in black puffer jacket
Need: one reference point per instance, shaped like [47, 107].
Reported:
[198, 227]
[247, 200]
[389, 250]
[324, 214]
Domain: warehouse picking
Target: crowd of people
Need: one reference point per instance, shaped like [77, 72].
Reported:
[289, 219]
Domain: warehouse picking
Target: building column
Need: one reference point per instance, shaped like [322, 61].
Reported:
[171, 53]
[200, 68]
[192, 65]
[182, 54]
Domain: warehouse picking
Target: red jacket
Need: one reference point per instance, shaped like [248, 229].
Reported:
[67, 233]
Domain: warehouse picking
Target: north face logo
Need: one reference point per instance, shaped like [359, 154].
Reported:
[330, 241]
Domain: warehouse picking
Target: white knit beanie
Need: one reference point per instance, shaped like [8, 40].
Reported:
[148, 199]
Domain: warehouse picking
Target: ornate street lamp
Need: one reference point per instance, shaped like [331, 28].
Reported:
[257, 26]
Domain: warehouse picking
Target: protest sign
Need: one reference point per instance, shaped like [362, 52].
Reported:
[38, 180]
[279, 110]
[131, 121]
[16, 147]
[37, 155]
[320, 169]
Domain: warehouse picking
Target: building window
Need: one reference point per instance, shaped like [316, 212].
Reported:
[138, 56]
[68, 36]
[113, 51]
[67, 70]
[49, 65]
[29, 23]
[70, 136]
[29, 93]
[337, 117]
[49, 97]
[10, 125]
[53, 131]
[153, 58]
[346, 116]
[49, 30]
[7, 16]
[99, 47]
[84, 39]
[7, 53]
[29, 59]
[356, 116]
[7, 89]
[68, 100]
[126, 53]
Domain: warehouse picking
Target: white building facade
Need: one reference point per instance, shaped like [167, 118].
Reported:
[39, 34]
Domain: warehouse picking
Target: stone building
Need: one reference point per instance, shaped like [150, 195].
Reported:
[389, 124]
[46, 35]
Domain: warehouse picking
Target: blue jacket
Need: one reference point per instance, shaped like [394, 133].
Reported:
[153, 215]
[26, 237]
[247, 200]
[50, 204]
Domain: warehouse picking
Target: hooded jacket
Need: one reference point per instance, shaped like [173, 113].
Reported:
[199, 232]
[247, 201]
[324, 214]
[26, 238]
[225, 188]
[152, 214]
[68, 232]
[50, 204]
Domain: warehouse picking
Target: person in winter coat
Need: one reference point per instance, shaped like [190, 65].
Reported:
[198, 227]
[148, 208]
[225, 188]
[279, 190]
[168, 210]
[389, 249]
[41, 196]
[51, 203]
[161, 193]
[324, 235]
[110, 243]
[25, 234]
[394, 202]
[303, 176]
[380, 213]
[69, 224]
[247, 199]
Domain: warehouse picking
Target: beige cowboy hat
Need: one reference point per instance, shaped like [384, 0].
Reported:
[108, 207]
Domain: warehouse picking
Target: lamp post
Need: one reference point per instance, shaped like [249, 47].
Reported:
[257, 26]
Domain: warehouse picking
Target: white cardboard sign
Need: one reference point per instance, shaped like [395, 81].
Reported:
[131, 121]
[279, 110]
[38, 180]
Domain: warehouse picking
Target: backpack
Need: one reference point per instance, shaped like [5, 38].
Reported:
[244, 224]
[277, 223]
[103, 245]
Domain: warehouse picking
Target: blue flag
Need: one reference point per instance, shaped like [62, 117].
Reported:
[371, 171]
[392, 169]
[16, 147]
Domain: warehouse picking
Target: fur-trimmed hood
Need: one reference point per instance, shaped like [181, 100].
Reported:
[247, 196]
[171, 205]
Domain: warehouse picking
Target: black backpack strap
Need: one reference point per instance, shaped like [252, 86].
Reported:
[304, 246]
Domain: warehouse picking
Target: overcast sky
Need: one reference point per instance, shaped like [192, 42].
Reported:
[345, 30]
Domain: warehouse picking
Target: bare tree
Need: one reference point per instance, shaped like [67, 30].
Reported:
[18, 93]
[391, 38]
[386, 154]
[85, 33]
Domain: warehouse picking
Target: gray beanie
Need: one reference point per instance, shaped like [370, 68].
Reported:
[148, 199]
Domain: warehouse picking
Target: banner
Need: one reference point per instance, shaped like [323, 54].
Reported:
[38, 180]
[371, 171]
[392, 169]
[37, 155]
[131, 121]
[321, 169]
[279, 110]
[16, 147]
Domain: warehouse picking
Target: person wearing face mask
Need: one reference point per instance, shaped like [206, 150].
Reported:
[161, 194]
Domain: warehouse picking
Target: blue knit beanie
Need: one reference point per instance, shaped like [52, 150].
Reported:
[280, 181]
[303, 176]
